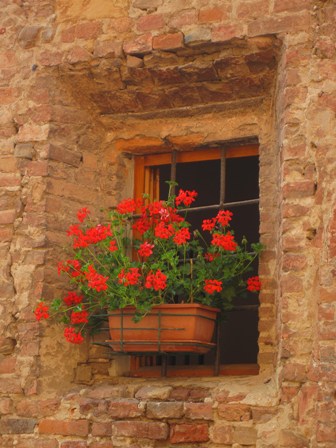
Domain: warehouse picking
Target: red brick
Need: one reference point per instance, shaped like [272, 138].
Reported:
[123, 408]
[37, 443]
[7, 365]
[168, 41]
[101, 429]
[183, 18]
[215, 14]
[78, 54]
[38, 168]
[10, 180]
[293, 262]
[140, 45]
[202, 411]
[226, 32]
[222, 433]
[7, 216]
[186, 433]
[69, 34]
[107, 48]
[6, 406]
[7, 95]
[150, 22]
[64, 428]
[147, 430]
[234, 412]
[290, 5]
[326, 311]
[88, 30]
[294, 372]
[252, 10]
[50, 58]
[270, 25]
[74, 444]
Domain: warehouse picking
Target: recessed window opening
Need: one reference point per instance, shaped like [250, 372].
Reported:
[233, 184]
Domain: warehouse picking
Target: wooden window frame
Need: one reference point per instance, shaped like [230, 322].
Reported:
[144, 182]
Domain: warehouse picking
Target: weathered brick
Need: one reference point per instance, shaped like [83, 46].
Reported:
[147, 430]
[10, 180]
[215, 14]
[164, 410]
[7, 365]
[153, 393]
[183, 18]
[124, 408]
[61, 154]
[101, 429]
[64, 428]
[74, 444]
[140, 45]
[24, 150]
[234, 412]
[17, 425]
[28, 36]
[107, 48]
[290, 5]
[201, 411]
[88, 30]
[6, 406]
[150, 22]
[268, 25]
[7, 216]
[244, 435]
[170, 41]
[186, 433]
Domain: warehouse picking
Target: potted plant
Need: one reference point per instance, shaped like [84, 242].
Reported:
[145, 265]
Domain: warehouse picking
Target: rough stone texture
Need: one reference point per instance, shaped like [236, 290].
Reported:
[83, 82]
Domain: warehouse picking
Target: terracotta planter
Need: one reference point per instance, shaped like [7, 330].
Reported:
[167, 328]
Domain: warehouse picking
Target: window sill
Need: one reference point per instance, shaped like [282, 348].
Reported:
[196, 371]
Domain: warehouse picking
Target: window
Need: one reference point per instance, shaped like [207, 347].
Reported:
[229, 177]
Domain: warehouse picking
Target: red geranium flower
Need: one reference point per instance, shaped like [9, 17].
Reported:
[182, 236]
[208, 224]
[146, 249]
[224, 217]
[73, 337]
[72, 298]
[212, 286]
[96, 281]
[157, 281]
[82, 214]
[253, 284]
[164, 231]
[226, 242]
[130, 277]
[113, 246]
[185, 197]
[41, 311]
[79, 317]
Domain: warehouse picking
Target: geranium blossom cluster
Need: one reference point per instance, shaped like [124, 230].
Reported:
[145, 254]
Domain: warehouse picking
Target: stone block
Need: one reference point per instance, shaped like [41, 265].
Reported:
[244, 435]
[234, 412]
[146, 4]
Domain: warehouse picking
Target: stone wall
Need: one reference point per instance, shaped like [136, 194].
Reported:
[84, 84]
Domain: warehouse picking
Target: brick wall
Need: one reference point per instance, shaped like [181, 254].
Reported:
[83, 82]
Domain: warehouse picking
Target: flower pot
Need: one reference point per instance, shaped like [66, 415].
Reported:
[167, 328]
